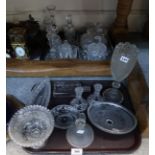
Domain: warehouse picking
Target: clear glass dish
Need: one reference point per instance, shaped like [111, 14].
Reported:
[64, 115]
[31, 126]
[111, 118]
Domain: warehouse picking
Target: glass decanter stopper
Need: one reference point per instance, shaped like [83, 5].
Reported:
[51, 10]
[69, 30]
[102, 54]
[49, 19]
[31, 126]
[79, 102]
[96, 96]
[81, 135]
[99, 28]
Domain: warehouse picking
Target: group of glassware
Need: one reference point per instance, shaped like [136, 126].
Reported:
[32, 125]
[92, 46]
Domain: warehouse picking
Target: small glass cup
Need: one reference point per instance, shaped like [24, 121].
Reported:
[113, 94]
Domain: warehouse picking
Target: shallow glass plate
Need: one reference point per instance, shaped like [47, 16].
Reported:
[41, 93]
[111, 118]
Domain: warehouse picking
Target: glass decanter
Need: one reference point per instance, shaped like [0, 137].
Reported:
[66, 51]
[31, 126]
[96, 50]
[81, 135]
[69, 30]
[79, 102]
[53, 38]
[96, 96]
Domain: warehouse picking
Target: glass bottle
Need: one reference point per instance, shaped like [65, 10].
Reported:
[79, 102]
[81, 135]
[96, 50]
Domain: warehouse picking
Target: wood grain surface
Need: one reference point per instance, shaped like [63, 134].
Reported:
[28, 68]
[139, 93]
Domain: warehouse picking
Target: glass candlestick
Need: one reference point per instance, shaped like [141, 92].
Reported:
[96, 96]
[81, 135]
[79, 102]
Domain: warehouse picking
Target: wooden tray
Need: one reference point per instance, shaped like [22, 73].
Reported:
[103, 142]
